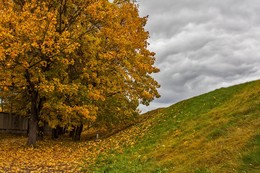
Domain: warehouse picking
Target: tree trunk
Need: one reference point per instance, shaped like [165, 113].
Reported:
[54, 133]
[33, 129]
[77, 132]
[57, 131]
[33, 122]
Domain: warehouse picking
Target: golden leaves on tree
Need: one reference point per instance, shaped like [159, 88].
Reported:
[68, 60]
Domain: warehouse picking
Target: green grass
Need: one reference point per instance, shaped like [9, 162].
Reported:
[215, 132]
[251, 157]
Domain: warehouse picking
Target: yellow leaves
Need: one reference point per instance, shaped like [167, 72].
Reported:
[96, 95]
[2, 54]
[56, 87]
[35, 45]
[110, 55]
[81, 110]
[76, 60]
[25, 64]
[61, 155]
[46, 88]
[5, 88]
[48, 156]
[39, 32]
[66, 61]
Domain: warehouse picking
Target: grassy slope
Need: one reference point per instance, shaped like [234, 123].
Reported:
[215, 132]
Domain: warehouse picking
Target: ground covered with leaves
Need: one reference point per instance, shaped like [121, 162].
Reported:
[62, 155]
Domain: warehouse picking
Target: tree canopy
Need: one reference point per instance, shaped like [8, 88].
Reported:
[66, 62]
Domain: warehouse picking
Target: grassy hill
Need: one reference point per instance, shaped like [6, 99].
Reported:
[215, 132]
[212, 133]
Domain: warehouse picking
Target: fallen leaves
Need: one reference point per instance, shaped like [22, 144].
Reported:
[61, 155]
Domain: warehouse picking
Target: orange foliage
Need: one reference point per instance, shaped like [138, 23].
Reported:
[63, 59]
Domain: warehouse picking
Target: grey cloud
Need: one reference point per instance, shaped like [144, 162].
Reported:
[202, 45]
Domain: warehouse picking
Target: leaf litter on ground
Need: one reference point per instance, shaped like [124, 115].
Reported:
[62, 155]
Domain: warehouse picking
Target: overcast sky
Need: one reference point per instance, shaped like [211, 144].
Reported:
[202, 45]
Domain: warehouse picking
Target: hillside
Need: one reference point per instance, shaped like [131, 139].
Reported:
[215, 132]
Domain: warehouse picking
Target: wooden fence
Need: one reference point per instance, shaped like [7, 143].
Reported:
[11, 123]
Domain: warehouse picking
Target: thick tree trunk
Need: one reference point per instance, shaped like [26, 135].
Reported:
[33, 129]
[34, 119]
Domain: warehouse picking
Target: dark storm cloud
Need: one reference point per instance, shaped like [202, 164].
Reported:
[202, 45]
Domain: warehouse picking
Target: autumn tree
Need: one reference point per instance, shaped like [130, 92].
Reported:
[64, 59]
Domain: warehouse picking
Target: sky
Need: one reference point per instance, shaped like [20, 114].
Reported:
[202, 45]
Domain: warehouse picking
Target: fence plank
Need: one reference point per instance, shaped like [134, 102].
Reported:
[13, 123]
